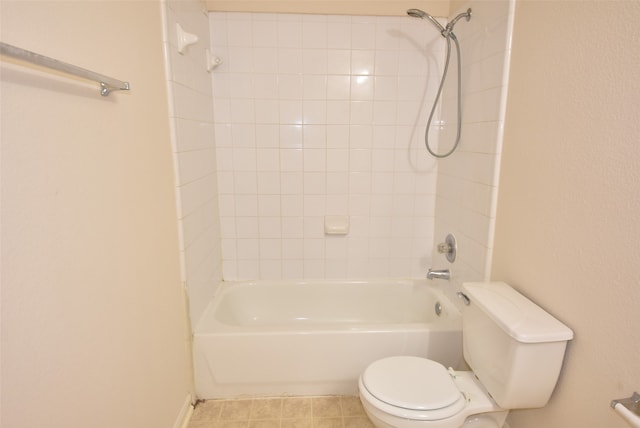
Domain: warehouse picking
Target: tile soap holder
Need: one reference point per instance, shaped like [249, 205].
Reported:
[336, 224]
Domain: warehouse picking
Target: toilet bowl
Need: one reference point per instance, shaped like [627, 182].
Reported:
[513, 347]
[408, 392]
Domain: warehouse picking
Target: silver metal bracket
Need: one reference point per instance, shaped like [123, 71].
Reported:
[105, 89]
[632, 403]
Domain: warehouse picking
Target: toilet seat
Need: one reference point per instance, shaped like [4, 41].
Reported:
[413, 388]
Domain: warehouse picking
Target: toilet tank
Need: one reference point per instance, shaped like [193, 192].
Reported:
[512, 345]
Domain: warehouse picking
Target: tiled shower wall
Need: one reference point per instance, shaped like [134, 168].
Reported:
[321, 115]
[468, 180]
[325, 114]
[192, 136]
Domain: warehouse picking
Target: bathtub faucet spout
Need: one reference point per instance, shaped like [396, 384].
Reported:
[439, 274]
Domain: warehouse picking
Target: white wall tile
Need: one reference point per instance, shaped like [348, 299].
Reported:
[290, 136]
[361, 112]
[338, 87]
[314, 35]
[466, 186]
[363, 35]
[386, 63]
[192, 135]
[267, 111]
[270, 229]
[264, 33]
[338, 112]
[270, 269]
[243, 135]
[317, 118]
[291, 183]
[267, 135]
[314, 87]
[191, 107]
[362, 62]
[314, 136]
[362, 87]
[315, 183]
[245, 182]
[290, 61]
[292, 227]
[314, 112]
[269, 206]
[338, 61]
[268, 159]
[247, 228]
[315, 160]
[336, 204]
[314, 205]
[240, 60]
[196, 164]
[338, 35]
[290, 33]
[266, 60]
[291, 112]
[240, 33]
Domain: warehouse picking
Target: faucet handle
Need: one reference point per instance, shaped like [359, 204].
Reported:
[448, 248]
[444, 248]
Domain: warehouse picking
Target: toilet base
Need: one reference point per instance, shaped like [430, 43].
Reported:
[480, 412]
[486, 420]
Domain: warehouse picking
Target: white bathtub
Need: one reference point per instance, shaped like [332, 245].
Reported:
[316, 337]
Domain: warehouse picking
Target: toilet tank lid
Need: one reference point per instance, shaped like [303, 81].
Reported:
[518, 316]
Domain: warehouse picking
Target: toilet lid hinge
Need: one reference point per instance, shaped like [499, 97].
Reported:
[452, 372]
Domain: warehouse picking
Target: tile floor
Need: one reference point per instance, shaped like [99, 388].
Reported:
[281, 412]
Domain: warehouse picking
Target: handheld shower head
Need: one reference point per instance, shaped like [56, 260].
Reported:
[445, 31]
[417, 13]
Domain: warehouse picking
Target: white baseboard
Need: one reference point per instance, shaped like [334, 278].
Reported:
[184, 417]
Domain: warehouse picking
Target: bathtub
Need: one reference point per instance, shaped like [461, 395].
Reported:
[269, 338]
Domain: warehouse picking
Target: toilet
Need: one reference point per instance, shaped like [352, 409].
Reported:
[513, 347]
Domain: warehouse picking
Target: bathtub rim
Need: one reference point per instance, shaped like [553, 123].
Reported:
[208, 324]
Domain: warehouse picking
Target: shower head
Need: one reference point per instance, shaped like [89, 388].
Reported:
[466, 15]
[417, 13]
[445, 31]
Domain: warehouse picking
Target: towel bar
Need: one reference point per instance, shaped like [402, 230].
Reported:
[107, 84]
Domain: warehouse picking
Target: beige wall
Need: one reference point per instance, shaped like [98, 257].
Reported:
[343, 7]
[567, 225]
[93, 318]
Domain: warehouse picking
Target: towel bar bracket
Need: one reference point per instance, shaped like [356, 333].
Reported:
[632, 403]
[105, 89]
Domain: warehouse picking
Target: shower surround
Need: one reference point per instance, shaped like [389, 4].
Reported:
[468, 180]
[303, 129]
[320, 115]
